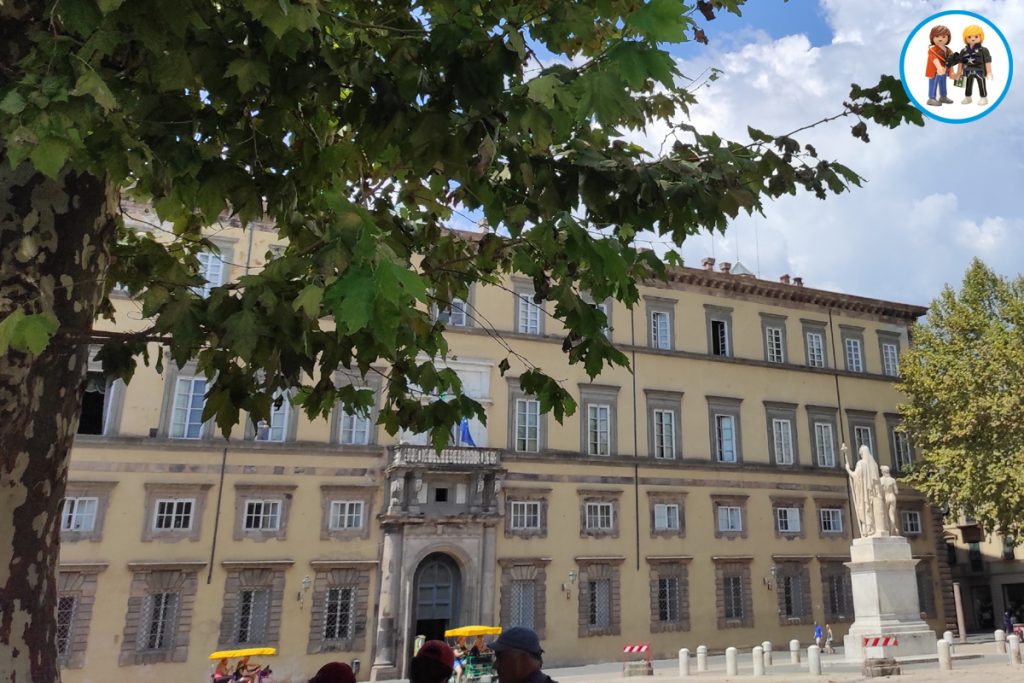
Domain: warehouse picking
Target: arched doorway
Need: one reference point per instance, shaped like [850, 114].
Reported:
[438, 589]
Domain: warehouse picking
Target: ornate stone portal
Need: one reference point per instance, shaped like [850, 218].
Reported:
[882, 574]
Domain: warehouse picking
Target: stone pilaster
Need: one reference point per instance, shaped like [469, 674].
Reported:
[385, 661]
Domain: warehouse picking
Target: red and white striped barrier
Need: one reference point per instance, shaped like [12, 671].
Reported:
[881, 641]
[630, 648]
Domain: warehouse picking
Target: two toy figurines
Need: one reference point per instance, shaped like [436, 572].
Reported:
[972, 63]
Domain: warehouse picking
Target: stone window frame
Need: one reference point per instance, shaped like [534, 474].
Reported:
[836, 567]
[599, 394]
[889, 337]
[343, 378]
[790, 567]
[911, 508]
[181, 578]
[265, 491]
[468, 305]
[660, 304]
[893, 422]
[256, 575]
[668, 568]
[923, 572]
[78, 580]
[667, 498]
[861, 418]
[171, 376]
[730, 500]
[659, 399]
[291, 426]
[225, 254]
[816, 327]
[599, 496]
[725, 405]
[525, 569]
[778, 410]
[722, 314]
[599, 569]
[329, 574]
[774, 321]
[351, 493]
[113, 399]
[526, 495]
[157, 491]
[829, 415]
[832, 504]
[733, 566]
[101, 491]
[789, 502]
[522, 287]
[853, 332]
[515, 393]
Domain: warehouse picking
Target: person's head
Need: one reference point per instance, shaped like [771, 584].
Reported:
[432, 664]
[517, 654]
[334, 672]
[974, 35]
[940, 35]
[885, 470]
[479, 642]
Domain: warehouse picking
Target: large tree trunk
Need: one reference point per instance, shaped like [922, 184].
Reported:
[55, 238]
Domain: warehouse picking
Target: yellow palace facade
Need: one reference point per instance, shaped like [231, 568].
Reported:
[700, 500]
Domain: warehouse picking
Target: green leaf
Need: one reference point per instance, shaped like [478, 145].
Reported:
[108, 6]
[662, 21]
[90, 83]
[27, 333]
[308, 301]
[7, 327]
[248, 72]
[12, 103]
[49, 156]
[351, 299]
[542, 89]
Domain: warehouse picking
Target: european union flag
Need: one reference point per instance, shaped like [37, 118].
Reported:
[464, 436]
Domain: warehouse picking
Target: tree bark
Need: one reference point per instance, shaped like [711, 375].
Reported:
[55, 239]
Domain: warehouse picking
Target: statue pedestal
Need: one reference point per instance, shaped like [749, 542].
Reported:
[885, 600]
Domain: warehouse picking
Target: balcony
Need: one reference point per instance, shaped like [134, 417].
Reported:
[451, 458]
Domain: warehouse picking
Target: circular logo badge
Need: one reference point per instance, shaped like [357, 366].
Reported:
[956, 66]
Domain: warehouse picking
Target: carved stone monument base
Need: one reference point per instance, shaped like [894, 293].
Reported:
[885, 600]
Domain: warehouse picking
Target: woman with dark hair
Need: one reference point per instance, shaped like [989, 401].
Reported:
[334, 672]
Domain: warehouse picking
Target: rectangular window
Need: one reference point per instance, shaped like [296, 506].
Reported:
[838, 601]
[725, 438]
[824, 444]
[65, 622]
[661, 336]
[251, 616]
[720, 338]
[527, 425]
[730, 518]
[187, 414]
[211, 269]
[79, 514]
[787, 520]
[773, 342]
[901, 450]
[600, 612]
[603, 307]
[338, 613]
[276, 428]
[831, 520]
[599, 516]
[910, 522]
[854, 355]
[890, 359]
[815, 349]
[173, 514]
[529, 315]
[862, 437]
[262, 515]
[598, 429]
[792, 597]
[733, 598]
[158, 623]
[664, 434]
[522, 603]
[454, 315]
[668, 599]
[666, 517]
[346, 514]
[355, 429]
[525, 514]
[782, 434]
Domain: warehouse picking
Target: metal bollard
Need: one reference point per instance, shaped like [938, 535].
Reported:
[702, 659]
[758, 655]
[1000, 641]
[684, 662]
[794, 651]
[814, 660]
[730, 661]
[1013, 645]
[945, 661]
[767, 647]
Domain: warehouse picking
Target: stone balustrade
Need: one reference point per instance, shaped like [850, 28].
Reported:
[406, 455]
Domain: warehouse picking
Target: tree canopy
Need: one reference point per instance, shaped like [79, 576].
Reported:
[964, 379]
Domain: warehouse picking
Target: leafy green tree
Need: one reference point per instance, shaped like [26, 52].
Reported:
[359, 129]
[964, 377]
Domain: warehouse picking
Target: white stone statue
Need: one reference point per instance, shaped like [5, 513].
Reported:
[889, 492]
[396, 493]
[868, 501]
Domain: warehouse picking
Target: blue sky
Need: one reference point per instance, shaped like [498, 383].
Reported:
[775, 18]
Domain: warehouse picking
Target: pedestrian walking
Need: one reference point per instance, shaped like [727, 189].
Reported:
[434, 663]
[518, 657]
[817, 634]
[334, 672]
[828, 639]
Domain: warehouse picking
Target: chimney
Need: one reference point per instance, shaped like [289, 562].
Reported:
[708, 263]
[784, 279]
[725, 267]
[798, 281]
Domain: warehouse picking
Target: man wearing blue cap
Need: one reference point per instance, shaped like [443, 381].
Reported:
[517, 657]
